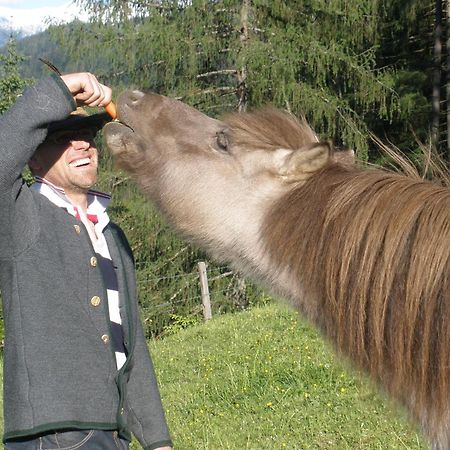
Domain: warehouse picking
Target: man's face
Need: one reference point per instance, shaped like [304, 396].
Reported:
[68, 159]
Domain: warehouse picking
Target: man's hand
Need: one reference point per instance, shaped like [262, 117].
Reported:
[87, 90]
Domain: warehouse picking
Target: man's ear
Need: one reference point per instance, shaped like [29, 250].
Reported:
[34, 164]
[301, 164]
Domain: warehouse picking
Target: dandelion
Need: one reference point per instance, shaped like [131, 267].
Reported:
[269, 404]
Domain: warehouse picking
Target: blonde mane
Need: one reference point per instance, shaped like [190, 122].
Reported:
[372, 250]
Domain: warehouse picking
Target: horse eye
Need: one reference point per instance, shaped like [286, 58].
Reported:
[222, 141]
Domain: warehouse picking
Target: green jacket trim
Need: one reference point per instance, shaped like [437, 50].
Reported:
[159, 444]
[58, 426]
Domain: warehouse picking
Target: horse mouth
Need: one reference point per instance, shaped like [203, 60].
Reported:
[120, 120]
[115, 134]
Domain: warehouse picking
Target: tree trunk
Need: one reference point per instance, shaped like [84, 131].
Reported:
[242, 91]
[447, 79]
[436, 99]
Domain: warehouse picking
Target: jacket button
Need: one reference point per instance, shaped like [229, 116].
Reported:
[95, 300]
[105, 338]
[77, 229]
[94, 261]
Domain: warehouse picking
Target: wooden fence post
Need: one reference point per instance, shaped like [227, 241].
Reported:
[206, 301]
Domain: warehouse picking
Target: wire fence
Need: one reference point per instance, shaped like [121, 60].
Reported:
[177, 301]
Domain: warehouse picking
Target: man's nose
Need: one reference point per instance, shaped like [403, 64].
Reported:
[80, 144]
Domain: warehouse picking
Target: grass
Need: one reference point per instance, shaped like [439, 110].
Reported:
[264, 380]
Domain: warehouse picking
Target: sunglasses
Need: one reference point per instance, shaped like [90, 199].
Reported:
[67, 136]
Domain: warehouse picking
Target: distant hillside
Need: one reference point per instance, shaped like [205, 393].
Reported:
[39, 45]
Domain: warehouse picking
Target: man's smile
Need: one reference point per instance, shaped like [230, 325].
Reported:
[80, 162]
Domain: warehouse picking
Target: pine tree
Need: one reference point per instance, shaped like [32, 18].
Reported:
[11, 83]
[408, 45]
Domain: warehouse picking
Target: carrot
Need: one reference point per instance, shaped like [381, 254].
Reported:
[110, 108]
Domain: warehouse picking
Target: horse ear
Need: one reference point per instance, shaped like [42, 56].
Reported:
[346, 157]
[301, 164]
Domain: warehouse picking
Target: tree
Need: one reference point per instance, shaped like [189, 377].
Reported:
[447, 74]
[227, 55]
[11, 83]
[412, 45]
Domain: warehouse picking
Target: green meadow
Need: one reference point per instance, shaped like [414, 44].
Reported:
[263, 379]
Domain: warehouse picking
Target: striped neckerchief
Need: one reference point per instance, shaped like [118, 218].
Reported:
[97, 215]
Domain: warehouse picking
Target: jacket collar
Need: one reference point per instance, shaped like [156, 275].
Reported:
[97, 201]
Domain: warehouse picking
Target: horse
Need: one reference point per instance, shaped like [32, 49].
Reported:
[362, 253]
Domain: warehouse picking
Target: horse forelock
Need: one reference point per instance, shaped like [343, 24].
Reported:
[269, 129]
[372, 249]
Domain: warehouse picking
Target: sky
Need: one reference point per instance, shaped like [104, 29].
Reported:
[31, 15]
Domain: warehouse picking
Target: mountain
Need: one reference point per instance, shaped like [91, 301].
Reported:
[35, 46]
[6, 32]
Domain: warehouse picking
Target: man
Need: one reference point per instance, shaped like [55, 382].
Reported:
[77, 372]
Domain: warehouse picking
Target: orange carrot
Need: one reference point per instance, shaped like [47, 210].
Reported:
[110, 108]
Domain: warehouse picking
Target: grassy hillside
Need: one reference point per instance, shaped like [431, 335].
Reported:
[263, 380]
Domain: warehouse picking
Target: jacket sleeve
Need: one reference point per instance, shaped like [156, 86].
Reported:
[145, 412]
[22, 129]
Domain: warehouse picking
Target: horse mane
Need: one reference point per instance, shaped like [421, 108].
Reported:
[269, 129]
[372, 250]
[369, 250]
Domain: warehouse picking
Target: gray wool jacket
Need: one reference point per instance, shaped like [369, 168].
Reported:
[58, 372]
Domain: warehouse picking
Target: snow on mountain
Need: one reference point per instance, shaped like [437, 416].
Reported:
[25, 22]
